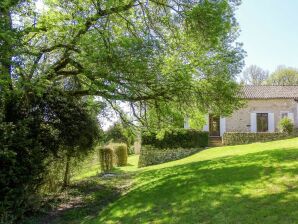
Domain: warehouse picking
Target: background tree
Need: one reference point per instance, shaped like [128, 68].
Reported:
[254, 75]
[120, 133]
[284, 76]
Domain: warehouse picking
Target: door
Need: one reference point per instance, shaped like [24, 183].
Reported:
[262, 122]
[214, 125]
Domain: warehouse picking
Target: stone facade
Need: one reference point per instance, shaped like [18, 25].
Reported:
[240, 120]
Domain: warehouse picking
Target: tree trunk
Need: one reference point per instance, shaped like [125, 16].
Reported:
[66, 179]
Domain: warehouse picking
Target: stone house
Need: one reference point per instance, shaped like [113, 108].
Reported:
[265, 106]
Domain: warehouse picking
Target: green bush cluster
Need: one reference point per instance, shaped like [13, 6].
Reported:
[120, 154]
[105, 158]
[286, 125]
[176, 138]
[118, 133]
[31, 132]
[237, 138]
[150, 155]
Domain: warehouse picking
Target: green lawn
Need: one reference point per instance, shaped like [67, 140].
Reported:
[255, 183]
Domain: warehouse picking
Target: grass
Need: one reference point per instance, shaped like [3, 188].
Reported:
[254, 183]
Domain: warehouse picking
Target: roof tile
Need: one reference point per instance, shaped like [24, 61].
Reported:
[270, 92]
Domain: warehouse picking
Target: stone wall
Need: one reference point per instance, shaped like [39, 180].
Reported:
[237, 138]
[151, 156]
[239, 121]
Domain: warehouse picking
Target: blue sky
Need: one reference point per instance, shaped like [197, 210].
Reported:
[269, 32]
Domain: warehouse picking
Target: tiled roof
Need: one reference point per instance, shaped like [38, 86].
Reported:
[270, 92]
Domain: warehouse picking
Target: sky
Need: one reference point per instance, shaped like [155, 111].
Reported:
[269, 32]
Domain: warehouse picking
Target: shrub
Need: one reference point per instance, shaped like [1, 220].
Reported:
[150, 155]
[119, 134]
[237, 138]
[32, 132]
[177, 138]
[120, 153]
[286, 125]
[106, 158]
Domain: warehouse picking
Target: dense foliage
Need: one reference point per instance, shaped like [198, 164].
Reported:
[118, 133]
[176, 138]
[33, 129]
[157, 55]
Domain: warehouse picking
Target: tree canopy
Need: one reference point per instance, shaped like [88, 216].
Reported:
[141, 52]
[284, 76]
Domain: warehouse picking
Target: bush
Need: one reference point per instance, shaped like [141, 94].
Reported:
[177, 138]
[119, 134]
[286, 125]
[150, 155]
[237, 138]
[120, 154]
[31, 132]
[106, 158]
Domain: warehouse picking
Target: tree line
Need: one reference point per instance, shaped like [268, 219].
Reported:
[254, 75]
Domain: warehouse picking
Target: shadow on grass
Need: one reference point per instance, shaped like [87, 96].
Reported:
[84, 199]
[255, 188]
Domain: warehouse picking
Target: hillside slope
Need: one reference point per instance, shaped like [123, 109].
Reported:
[255, 183]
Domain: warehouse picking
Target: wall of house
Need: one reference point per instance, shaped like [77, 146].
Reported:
[239, 121]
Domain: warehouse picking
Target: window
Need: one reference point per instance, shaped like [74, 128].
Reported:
[262, 122]
[284, 114]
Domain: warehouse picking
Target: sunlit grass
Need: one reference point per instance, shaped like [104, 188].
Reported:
[255, 183]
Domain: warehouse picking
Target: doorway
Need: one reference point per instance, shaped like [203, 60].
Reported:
[214, 125]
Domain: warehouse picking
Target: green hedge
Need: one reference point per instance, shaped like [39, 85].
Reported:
[120, 153]
[177, 138]
[237, 138]
[106, 158]
[150, 155]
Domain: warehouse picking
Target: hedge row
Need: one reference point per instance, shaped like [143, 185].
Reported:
[150, 155]
[237, 138]
[177, 138]
[112, 154]
[106, 158]
[120, 153]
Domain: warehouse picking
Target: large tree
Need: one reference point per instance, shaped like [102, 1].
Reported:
[254, 75]
[284, 76]
[141, 52]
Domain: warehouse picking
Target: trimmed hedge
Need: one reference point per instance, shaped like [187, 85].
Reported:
[106, 158]
[120, 153]
[237, 138]
[177, 138]
[150, 155]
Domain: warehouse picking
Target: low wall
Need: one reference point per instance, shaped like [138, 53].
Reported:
[152, 156]
[237, 138]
